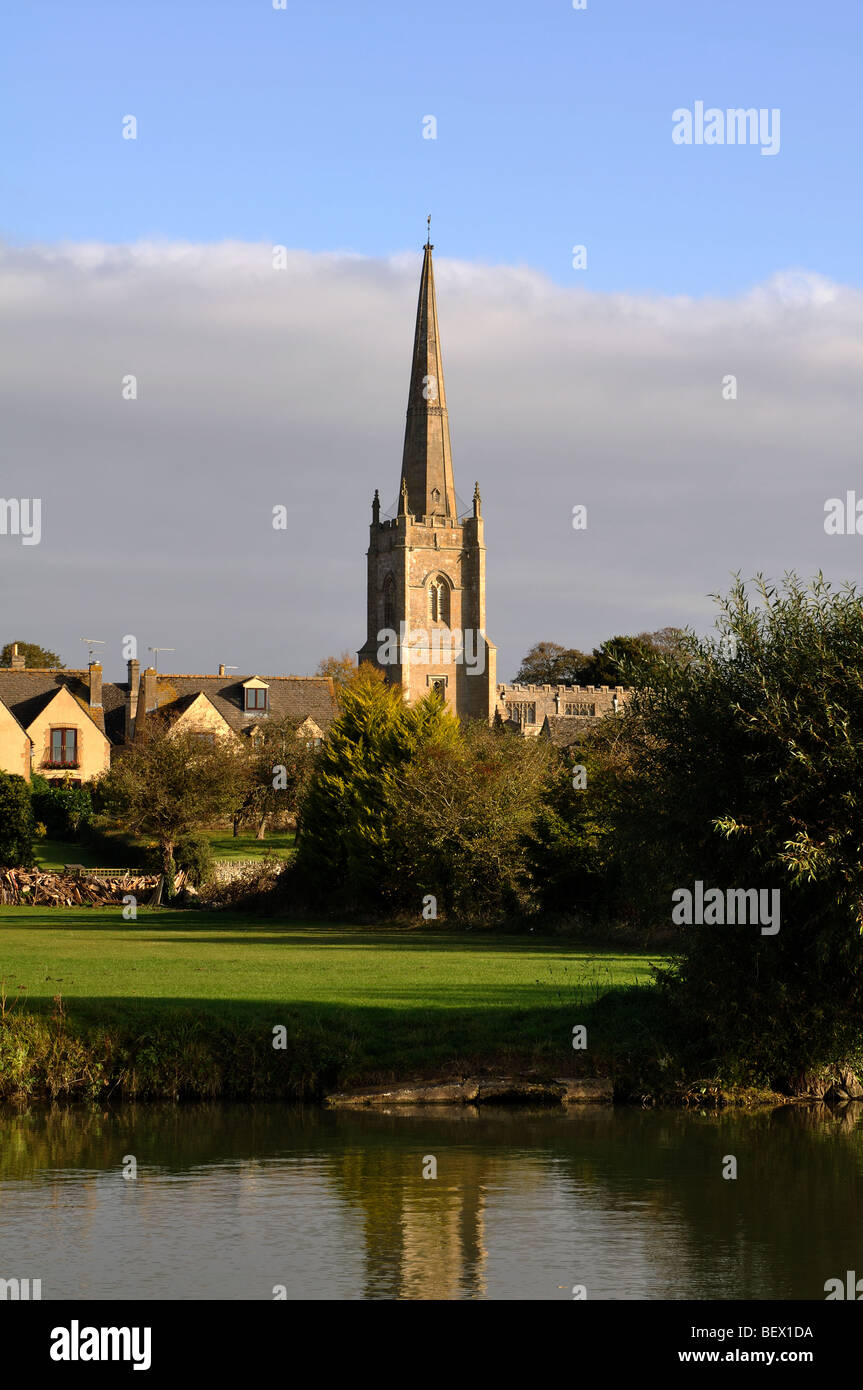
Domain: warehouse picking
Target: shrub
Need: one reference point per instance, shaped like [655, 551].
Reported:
[64, 809]
[748, 767]
[462, 813]
[194, 854]
[16, 822]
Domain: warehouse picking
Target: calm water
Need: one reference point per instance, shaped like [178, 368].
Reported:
[231, 1201]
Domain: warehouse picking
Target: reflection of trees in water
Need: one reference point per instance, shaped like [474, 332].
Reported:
[779, 1230]
[785, 1225]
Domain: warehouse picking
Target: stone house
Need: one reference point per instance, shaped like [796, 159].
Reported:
[233, 706]
[561, 713]
[68, 719]
[70, 723]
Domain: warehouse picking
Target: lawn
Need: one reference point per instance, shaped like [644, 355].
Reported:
[227, 846]
[387, 1002]
[53, 854]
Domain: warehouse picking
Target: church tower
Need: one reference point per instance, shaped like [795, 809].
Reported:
[426, 564]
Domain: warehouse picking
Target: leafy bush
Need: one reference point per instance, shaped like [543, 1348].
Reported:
[461, 814]
[748, 767]
[64, 809]
[16, 822]
[194, 854]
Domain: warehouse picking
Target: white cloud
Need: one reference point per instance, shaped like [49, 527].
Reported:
[259, 386]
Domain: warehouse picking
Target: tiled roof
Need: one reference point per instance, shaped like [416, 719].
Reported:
[27, 692]
[566, 729]
[295, 697]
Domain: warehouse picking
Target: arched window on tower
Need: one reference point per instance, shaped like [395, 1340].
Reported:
[439, 600]
[390, 602]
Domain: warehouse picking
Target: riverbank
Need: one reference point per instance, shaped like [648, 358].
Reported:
[209, 1006]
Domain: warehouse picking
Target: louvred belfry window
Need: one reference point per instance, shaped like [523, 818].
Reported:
[389, 602]
[439, 601]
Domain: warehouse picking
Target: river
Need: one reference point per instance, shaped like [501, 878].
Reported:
[267, 1201]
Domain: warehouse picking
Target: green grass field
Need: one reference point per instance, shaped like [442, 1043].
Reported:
[387, 1003]
[227, 846]
[53, 854]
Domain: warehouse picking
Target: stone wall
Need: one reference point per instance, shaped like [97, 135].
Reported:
[528, 705]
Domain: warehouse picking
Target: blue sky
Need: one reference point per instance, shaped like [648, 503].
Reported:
[604, 387]
[304, 127]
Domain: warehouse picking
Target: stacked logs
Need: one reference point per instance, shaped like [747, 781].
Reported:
[25, 886]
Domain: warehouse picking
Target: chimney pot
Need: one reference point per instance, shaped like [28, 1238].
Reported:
[221, 670]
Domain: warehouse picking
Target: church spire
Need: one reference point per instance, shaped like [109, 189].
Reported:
[427, 458]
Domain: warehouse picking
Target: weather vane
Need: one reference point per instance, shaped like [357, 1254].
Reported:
[428, 230]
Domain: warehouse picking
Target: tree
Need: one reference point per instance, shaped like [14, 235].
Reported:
[35, 657]
[463, 809]
[571, 848]
[342, 669]
[171, 784]
[280, 766]
[630, 660]
[548, 663]
[16, 822]
[349, 812]
[748, 767]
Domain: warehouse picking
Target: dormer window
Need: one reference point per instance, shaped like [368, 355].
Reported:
[256, 696]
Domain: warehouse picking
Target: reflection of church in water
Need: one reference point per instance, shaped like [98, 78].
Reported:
[423, 1238]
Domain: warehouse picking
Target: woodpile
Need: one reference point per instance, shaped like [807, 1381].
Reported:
[25, 886]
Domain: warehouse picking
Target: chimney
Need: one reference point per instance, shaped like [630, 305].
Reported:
[221, 670]
[17, 661]
[133, 676]
[145, 704]
[95, 685]
[148, 689]
[97, 714]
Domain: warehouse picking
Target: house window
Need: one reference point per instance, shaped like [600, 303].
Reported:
[63, 748]
[205, 736]
[523, 713]
[256, 699]
[580, 708]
